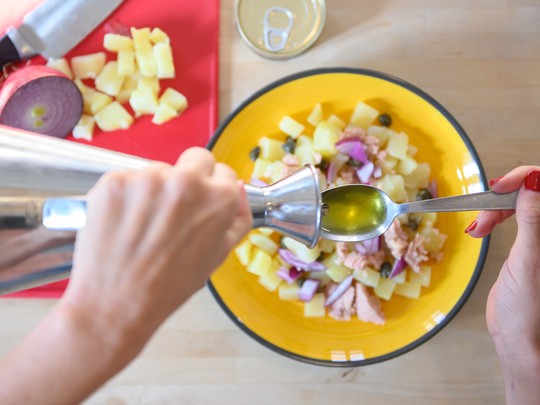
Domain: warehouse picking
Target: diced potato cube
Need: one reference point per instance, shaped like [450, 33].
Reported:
[400, 278]
[109, 81]
[265, 231]
[407, 165]
[304, 140]
[316, 115]
[61, 65]
[305, 155]
[397, 145]
[408, 289]
[271, 149]
[259, 168]
[157, 35]
[327, 245]
[428, 217]
[434, 240]
[412, 150]
[143, 101]
[129, 85]
[394, 186]
[164, 60]
[88, 66]
[243, 252]
[336, 272]
[419, 178]
[367, 276]
[84, 128]
[381, 133]
[301, 251]
[388, 164]
[113, 117]
[141, 39]
[163, 114]
[146, 62]
[151, 83]
[175, 99]
[98, 101]
[322, 276]
[385, 289]
[263, 242]
[126, 62]
[335, 120]
[117, 43]
[324, 139]
[363, 115]
[270, 280]
[275, 171]
[315, 308]
[288, 292]
[423, 278]
[260, 262]
[290, 126]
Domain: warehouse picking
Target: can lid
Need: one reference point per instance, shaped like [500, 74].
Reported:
[280, 29]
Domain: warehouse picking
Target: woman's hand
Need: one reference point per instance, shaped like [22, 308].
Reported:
[513, 307]
[152, 239]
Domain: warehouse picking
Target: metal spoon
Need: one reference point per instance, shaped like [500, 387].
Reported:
[356, 212]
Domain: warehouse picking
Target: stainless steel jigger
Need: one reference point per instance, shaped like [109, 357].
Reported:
[43, 181]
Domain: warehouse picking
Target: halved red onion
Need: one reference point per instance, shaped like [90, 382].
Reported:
[40, 99]
[290, 275]
[290, 258]
[308, 290]
[352, 147]
[377, 173]
[365, 172]
[339, 291]
[433, 189]
[399, 266]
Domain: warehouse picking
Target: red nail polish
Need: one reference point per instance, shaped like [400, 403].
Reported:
[472, 226]
[532, 181]
[495, 180]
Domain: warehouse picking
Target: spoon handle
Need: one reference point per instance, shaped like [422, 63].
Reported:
[488, 200]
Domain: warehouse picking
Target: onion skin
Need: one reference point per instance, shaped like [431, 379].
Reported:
[43, 89]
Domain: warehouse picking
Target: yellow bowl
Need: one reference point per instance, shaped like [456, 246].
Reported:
[280, 325]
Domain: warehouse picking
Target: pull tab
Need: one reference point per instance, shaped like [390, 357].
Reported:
[275, 38]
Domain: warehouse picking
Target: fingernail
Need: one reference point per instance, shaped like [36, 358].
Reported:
[472, 226]
[494, 181]
[532, 181]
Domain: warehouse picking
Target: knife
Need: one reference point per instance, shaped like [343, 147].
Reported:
[53, 28]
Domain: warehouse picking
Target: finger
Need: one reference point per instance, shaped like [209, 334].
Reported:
[528, 217]
[511, 181]
[243, 221]
[485, 222]
[224, 171]
[196, 159]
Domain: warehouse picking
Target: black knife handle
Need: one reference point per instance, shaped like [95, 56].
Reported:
[8, 52]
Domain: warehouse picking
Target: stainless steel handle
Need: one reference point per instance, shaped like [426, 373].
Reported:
[488, 200]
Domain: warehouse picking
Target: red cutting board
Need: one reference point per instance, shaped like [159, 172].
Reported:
[193, 27]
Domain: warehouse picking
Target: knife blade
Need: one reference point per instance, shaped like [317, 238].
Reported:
[54, 28]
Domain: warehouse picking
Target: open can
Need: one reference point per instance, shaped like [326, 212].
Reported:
[280, 29]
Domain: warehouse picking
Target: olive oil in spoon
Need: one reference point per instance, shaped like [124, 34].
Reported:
[356, 212]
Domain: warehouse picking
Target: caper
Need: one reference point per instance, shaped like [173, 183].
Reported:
[413, 222]
[300, 282]
[289, 147]
[354, 162]
[254, 153]
[323, 164]
[423, 194]
[386, 269]
[385, 120]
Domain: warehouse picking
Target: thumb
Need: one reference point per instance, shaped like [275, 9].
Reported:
[526, 249]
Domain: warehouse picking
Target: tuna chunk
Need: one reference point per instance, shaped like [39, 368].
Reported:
[368, 307]
[396, 240]
[416, 254]
[343, 308]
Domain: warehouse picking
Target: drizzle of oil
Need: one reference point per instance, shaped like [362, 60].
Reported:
[352, 210]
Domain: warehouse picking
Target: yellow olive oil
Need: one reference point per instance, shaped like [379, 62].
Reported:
[352, 210]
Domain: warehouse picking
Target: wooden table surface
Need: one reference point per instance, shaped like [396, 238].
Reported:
[481, 60]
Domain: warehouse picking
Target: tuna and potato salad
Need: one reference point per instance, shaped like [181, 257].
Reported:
[346, 281]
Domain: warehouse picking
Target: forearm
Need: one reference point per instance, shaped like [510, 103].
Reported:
[62, 361]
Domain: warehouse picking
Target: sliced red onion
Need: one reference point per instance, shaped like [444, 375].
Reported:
[339, 291]
[369, 247]
[308, 290]
[377, 173]
[399, 266]
[365, 172]
[114, 27]
[352, 147]
[40, 99]
[290, 275]
[335, 164]
[290, 258]
[433, 189]
[257, 182]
